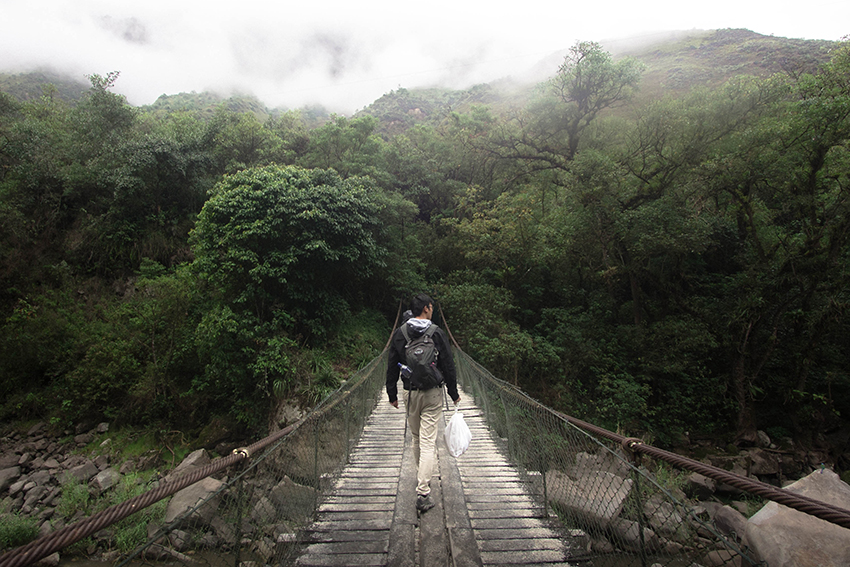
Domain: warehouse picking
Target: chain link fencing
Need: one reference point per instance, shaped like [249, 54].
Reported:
[626, 515]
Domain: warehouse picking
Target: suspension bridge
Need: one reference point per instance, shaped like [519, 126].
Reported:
[536, 487]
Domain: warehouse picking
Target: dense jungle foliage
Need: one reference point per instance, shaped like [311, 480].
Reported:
[655, 257]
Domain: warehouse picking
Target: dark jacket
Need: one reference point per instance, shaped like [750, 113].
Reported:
[445, 362]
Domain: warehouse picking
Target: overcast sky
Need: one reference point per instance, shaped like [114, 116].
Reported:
[346, 54]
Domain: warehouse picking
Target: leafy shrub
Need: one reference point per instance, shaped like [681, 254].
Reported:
[16, 530]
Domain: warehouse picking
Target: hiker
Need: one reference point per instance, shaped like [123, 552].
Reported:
[422, 380]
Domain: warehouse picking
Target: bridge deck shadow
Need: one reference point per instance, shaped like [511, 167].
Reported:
[485, 512]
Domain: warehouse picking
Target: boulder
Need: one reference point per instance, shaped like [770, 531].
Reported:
[663, 516]
[41, 477]
[597, 497]
[81, 473]
[264, 511]
[722, 558]
[83, 439]
[101, 462]
[37, 429]
[700, 487]
[784, 537]
[190, 497]
[730, 522]
[33, 497]
[8, 460]
[763, 463]
[106, 479]
[9, 476]
[193, 461]
[49, 561]
[587, 463]
[16, 487]
[626, 534]
[293, 501]
[224, 531]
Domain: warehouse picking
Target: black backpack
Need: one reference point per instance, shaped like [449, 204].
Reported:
[421, 357]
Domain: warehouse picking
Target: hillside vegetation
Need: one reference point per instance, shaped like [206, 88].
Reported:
[655, 241]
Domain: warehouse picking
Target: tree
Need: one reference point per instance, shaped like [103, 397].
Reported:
[547, 135]
[786, 194]
[348, 145]
[285, 237]
[284, 251]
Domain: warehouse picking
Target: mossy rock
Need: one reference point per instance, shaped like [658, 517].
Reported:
[217, 430]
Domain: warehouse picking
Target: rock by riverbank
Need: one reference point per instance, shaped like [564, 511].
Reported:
[36, 465]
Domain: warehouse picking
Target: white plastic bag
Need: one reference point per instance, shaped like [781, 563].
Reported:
[458, 435]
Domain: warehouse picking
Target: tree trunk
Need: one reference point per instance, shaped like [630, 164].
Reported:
[746, 432]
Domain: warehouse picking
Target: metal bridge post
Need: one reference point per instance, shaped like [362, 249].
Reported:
[543, 462]
[240, 499]
[507, 426]
[316, 464]
[347, 430]
[639, 502]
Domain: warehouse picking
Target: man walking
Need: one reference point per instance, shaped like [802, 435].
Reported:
[423, 403]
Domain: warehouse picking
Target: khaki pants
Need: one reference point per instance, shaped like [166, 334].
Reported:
[424, 408]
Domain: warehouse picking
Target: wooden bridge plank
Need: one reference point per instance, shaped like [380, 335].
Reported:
[463, 547]
[433, 539]
[345, 507]
[522, 557]
[342, 536]
[524, 544]
[520, 533]
[352, 560]
[402, 547]
[350, 547]
[504, 513]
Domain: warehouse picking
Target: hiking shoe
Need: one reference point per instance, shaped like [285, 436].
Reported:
[424, 503]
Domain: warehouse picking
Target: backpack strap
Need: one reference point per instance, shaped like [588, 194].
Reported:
[429, 332]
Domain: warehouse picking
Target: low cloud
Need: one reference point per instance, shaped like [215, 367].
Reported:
[344, 56]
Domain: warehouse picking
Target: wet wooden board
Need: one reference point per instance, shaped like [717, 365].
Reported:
[354, 521]
[485, 514]
[509, 525]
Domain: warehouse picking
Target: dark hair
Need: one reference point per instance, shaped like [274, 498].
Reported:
[419, 303]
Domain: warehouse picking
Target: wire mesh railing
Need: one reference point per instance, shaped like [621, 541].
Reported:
[630, 516]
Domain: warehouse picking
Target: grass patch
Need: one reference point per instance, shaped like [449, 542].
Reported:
[130, 532]
[16, 530]
[75, 497]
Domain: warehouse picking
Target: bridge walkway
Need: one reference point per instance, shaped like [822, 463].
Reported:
[484, 513]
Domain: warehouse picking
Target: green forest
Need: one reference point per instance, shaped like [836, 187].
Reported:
[656, 243]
